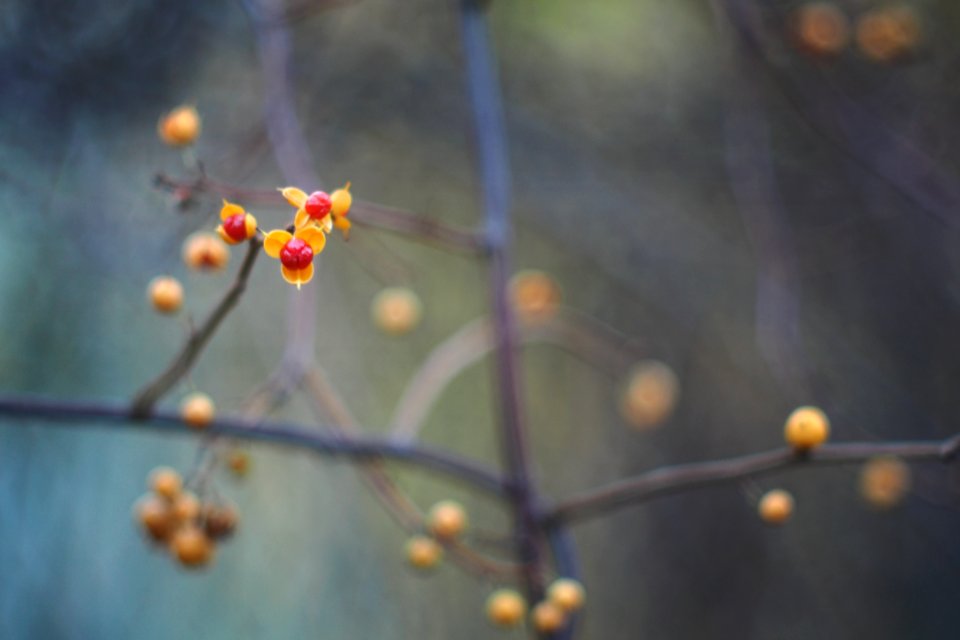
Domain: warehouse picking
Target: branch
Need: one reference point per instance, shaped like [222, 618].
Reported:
[322, 443]
[366, 214]
[677, 478]
[144, 400]
[493, 158]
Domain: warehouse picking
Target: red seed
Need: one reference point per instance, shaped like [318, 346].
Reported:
[236, 227]
[296, 254]
[318, 205]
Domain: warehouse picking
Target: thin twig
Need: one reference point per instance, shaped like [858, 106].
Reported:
[677, 478]
[144, 400]
[366, 214]
[321, 442]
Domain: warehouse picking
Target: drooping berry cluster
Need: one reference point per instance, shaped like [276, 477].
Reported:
[174, 518]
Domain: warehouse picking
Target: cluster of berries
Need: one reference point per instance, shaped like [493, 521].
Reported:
[884, 34]
[175, 518]
[507, 608]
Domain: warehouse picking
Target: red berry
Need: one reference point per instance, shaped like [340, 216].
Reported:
[236, 227]
[296, 254]
[318, 205]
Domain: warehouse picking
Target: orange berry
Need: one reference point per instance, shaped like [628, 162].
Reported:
[566, 593]
[548, 617]
[165, 482]
[396, 310]
[884, 481]
[775, 506]
[506, 607]
[191, 546]
[821, 28]
[186, 507]
[341, 201]
[423, 552]
[806, 428]
[886, 34]
[239, 462]
[447, 519]
[220, 521]
[165, 294]
[650, 395]
[180, 127]
[535, 295]
[154, 515]
[205, 251]
[197, 410]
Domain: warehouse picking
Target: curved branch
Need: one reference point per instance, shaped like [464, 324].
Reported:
[143, 401]
[320, 442]
[677, 478]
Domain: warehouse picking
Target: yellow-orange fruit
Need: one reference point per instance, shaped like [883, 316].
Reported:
[205, 251]
[423, 552]
[806, 428]
[239, 462]
[566, 593]
[186, 507]
[889, 33]
[165, 482]
[396, 311]
[884, 481]
[220, 520]
[153, 514]
[197, 410]
[191, 546]
[650, 395]
[506, 607]
[165, 294]
[821, 28]
[180, 127]
[536, 296]
[775, 506]
[547, 617]
[447, 519]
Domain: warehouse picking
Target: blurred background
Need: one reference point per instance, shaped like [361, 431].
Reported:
[762, 196]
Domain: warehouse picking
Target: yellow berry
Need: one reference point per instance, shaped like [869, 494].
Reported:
[341, 201]
[191, 546]
[423, 552]
[165, 482]
[197, 410]
[566, 593]
[186, 507]
[889, 33]
[239, 462]
[650, 395]
[180, 127]
[884, 481]
[165, 294]
[205, 251]
[447, 519]
[775, 506]
[821, 28]
[806, 428]
[396, 310]
[154, 515]
[506, 607]
[220, 521]
[548, 617]
[535, 295]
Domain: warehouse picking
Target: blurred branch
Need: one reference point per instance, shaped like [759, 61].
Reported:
[678, 478]
[144, 400]
[491, 139]
[323, 443]
[368, 214]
